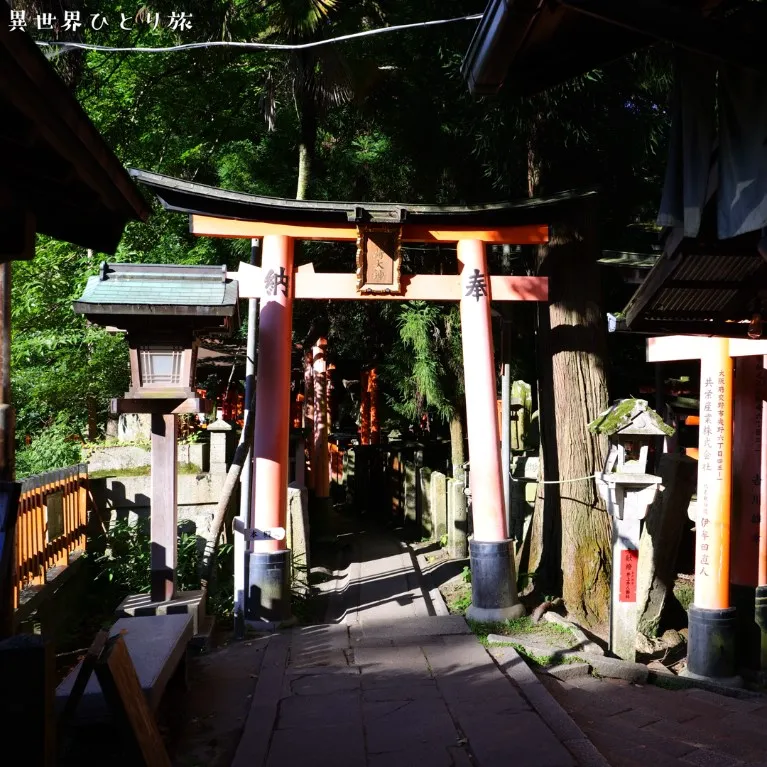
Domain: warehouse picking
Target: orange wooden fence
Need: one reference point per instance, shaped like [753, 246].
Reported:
[50, 531]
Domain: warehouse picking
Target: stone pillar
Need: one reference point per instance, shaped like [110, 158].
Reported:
[221, 436]
[298, 534]
[268, 591]
[410, 494]
[438, 503]
[494, 582]
[424, 502]
[164, 509]
[457, 520]
[711, 643]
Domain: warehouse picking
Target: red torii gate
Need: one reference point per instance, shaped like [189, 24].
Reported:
[378, 230]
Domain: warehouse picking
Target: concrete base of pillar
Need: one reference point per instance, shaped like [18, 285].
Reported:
[493, 582]
[267, 588]
[711, 646]
[495, 614]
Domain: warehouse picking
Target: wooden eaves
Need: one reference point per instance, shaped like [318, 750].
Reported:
[56, 166]
[532, 45]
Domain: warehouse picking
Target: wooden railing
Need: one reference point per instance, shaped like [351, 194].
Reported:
[51, 527]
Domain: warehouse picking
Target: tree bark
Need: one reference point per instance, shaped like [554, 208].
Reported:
[572, 347]
[307, 145]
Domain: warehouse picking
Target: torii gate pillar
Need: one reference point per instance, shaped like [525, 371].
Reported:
[268, 572]
[493, 579]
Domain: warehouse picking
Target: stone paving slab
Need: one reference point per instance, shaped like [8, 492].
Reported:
[664, 728]
[395, 684]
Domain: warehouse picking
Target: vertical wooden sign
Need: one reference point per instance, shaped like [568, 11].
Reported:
[712, 526]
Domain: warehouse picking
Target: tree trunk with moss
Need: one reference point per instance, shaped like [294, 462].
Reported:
[570, 516]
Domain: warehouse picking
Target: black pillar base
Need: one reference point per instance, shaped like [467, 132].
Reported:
[267, 587]
[711, 646]
[747, 634]
[760, 617]
[493, 583]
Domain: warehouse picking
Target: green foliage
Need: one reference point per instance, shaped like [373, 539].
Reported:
[53, 448]
[425, 368]
[125, 562]
[466, 574]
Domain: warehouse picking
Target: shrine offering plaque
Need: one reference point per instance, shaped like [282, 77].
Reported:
[378, 259]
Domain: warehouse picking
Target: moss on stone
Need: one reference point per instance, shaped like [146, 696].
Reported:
[619, 416]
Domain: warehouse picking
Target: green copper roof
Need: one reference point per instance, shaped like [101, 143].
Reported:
[147, 288]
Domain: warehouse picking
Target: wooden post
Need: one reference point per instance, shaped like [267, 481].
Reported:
[712, 550]
[309, 417]
[375, 426]
[364, 408]
[164, 512]
[494, 587]
[319, 363]
[746, 501]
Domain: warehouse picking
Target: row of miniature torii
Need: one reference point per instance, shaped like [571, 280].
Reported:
[312, 408]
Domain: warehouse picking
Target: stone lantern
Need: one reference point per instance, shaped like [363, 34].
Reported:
[628, 490]
[163, 310]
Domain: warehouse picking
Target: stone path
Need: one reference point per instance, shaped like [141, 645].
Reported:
[397, 683]
[635, 725]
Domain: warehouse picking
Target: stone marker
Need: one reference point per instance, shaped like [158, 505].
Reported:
[438, 503]
[424, 503]
[298, 534]
[659, 543]
[411, 500]
[457, 520]
[221, 434]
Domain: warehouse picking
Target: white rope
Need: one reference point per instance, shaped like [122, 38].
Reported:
[555, 481]
[257, 46]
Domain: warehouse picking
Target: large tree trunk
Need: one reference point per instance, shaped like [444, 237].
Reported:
[307, 145]
[573, 388]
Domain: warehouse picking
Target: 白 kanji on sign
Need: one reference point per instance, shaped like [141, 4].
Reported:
[476, 285]
[273, 281]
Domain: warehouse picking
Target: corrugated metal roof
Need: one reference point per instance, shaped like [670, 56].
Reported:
[710, 287]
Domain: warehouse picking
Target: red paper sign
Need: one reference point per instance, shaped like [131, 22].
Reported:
[628, 582]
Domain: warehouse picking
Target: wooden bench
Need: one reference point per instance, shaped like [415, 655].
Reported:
[157, 647]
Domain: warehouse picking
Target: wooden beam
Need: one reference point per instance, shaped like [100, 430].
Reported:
[421, 287]
[710, 37]
[672, 348]
[164, 513]
[210, 226]
[162, 406]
